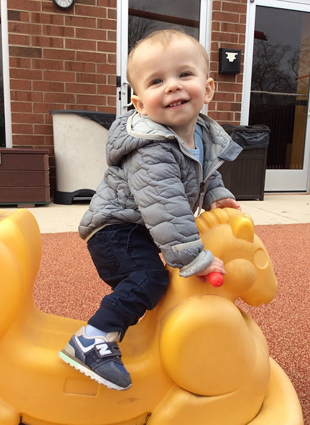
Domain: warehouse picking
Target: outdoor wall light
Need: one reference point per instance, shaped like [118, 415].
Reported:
[229, 61]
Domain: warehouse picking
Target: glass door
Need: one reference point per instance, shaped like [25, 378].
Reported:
[138, 18]
[279, 89]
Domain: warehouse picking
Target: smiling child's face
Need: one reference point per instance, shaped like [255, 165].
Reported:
[171, 82]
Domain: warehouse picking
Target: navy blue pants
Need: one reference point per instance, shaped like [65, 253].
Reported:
[127, 259]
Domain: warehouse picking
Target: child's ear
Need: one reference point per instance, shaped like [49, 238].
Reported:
[210, 88]
[138, 104]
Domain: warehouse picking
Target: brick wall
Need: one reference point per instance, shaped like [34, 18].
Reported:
[67, 60]
[59, 60]
[228, 30]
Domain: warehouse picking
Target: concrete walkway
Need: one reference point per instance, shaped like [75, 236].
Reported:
[274, 209]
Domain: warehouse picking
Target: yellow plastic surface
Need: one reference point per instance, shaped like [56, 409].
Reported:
[195, 359]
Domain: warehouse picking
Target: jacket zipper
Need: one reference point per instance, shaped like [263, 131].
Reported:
[203, 184]
[203, 181]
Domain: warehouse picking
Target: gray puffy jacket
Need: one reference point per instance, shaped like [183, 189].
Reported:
[154, 180]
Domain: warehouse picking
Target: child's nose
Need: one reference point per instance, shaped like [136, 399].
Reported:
[173, 85]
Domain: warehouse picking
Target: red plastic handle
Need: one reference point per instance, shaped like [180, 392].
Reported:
[215, 279]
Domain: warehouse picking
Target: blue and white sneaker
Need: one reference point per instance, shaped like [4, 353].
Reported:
[99, 358]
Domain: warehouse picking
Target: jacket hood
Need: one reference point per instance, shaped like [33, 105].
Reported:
[130, 132]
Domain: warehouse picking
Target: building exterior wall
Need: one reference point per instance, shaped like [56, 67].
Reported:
[67, 60]
[59, 60]
[228, 30]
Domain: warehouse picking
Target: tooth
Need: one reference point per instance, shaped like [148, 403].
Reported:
[175, 104]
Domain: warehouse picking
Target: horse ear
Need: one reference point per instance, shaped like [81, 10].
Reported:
[242, 227]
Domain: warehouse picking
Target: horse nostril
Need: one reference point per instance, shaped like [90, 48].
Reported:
[261, 258]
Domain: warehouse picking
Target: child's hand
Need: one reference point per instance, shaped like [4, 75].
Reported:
[225, 203]
[217, 265]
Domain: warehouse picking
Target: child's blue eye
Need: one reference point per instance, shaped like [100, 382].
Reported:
[156, 81]
[185, 74]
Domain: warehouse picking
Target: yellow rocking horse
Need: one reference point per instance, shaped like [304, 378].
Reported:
[196, 359]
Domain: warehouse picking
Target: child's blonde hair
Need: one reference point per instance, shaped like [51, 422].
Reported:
[164, 37]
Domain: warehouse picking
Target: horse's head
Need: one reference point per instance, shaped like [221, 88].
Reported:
[229, 234]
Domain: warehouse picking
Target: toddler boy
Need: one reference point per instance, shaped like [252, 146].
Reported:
[163, 159]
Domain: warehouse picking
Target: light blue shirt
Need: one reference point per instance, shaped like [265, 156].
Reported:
[198, 151]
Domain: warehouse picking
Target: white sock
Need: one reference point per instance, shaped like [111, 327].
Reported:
[91, 331]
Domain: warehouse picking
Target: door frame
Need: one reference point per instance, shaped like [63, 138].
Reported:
[6, 73]
[122, 47]
[276, 180]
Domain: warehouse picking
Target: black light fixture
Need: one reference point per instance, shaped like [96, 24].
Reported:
[229, 61]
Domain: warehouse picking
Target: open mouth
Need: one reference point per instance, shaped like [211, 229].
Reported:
[174, 104]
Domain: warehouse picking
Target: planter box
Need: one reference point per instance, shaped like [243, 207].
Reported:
[24, 176]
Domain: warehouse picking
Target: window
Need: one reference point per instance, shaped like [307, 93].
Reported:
[147, 16]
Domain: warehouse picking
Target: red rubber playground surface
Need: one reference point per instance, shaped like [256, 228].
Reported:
[67, 285]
